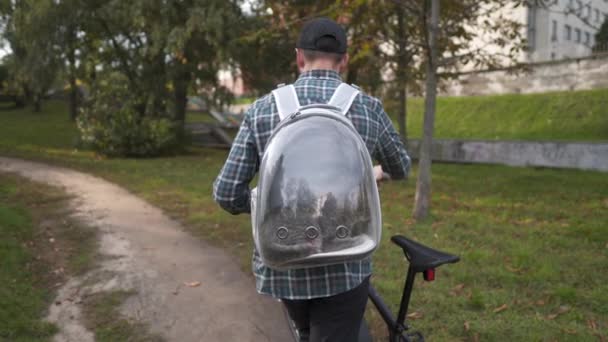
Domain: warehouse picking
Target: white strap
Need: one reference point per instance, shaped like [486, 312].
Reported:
[343, 97]
[287, 100]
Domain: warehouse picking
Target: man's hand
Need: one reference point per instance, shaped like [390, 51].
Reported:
[378, 173]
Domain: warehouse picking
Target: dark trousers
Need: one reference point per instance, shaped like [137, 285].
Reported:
[330, 319]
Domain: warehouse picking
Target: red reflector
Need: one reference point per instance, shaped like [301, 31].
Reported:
[429, 275]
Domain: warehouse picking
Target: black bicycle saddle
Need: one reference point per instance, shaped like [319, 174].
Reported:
[422, 257]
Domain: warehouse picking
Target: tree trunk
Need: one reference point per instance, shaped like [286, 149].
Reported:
[422, 202]
[72, 74]
[73, 90]
[37, 102]
[180, 94]
[402, 64]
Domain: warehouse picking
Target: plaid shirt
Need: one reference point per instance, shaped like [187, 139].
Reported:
[231, 188]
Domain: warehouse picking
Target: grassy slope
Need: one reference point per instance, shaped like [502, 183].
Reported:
[580, 115]
[531, 239]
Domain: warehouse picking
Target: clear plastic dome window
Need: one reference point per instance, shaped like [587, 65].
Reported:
[317, 201]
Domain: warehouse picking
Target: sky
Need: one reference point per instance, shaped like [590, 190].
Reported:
[4, 50]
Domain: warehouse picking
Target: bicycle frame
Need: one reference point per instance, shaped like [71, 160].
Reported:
[397, 328]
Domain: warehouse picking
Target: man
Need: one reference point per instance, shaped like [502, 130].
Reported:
[326, 303]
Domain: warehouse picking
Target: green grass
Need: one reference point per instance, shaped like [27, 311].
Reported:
[534, 240]
[24, 293]
[102, 315]
[574, 115]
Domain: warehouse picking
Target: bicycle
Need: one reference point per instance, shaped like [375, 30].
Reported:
[422, 259]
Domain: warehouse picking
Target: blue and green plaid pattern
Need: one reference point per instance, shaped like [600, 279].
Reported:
[231, 188]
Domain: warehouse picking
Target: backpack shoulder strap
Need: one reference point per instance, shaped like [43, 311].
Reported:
[343, 97]
[287, 100]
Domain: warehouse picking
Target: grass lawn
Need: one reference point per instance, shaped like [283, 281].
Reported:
[533, 242]
[573, 115]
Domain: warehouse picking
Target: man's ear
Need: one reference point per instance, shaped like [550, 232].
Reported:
[344, 63]
[300, 61]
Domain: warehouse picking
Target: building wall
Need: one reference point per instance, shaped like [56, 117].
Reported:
[575, 74]
[556, 154]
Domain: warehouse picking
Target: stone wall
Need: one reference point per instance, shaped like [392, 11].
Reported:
[586, 156]
[571, 74]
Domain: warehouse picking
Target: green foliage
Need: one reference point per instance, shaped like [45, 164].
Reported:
[112, 124]
[31, 33]
[601, 37]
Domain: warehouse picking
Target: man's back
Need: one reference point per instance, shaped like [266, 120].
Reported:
[231, 188]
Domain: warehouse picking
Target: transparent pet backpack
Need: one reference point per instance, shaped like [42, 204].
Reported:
[316, 202]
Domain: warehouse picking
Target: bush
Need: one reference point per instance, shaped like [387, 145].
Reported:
[111, 125]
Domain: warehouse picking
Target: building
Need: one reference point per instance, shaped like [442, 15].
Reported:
[562, 28]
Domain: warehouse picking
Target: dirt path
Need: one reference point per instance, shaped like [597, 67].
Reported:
[151, 254]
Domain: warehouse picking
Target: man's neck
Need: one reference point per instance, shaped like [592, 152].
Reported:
[320, 65]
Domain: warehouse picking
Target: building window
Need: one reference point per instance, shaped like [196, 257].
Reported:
[553, 30]
[577, 35]
[552, 56]
[587, 38]
[567, 32]
[579, 7]
[597, 15]
[587, 11]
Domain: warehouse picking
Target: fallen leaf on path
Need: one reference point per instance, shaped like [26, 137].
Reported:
[501, 308]
[561, 310]
[414, 315]
[513, 269]
[457, 290]
[540, 302]
[193, 283]
[467, 326]
[592, 324]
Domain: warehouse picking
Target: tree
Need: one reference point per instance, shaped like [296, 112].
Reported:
[450, 40]
[29, 32]
[423, 185]
[273, 28]
[601, 38]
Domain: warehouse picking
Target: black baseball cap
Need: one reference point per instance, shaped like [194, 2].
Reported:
[322, 34]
